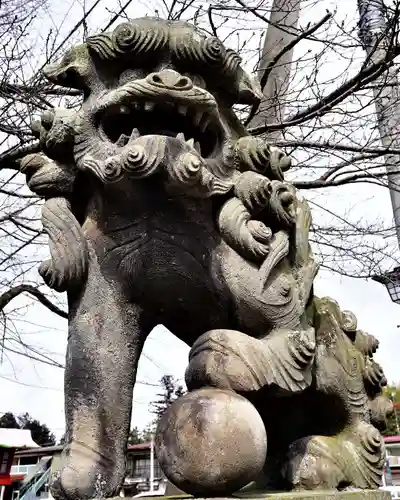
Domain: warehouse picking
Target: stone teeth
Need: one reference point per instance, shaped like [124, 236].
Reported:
[122, 141]
[190, 143]
[135, 133]
[136, 105]
[204, 124]
[181, 136]
[182, 109]
[124, 110]
[197, 117]
[149, 106]
[197, 147]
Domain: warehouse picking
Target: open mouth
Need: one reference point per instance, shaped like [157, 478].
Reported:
[120, 122]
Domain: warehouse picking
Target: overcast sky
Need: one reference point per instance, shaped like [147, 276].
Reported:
[34, 387]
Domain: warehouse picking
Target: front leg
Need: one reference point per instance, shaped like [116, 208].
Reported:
[67, 268]
[105, 340]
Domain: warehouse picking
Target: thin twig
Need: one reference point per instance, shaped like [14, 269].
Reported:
[13, 292]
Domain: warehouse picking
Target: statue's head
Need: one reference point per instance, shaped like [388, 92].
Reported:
[156, 89]
[158, 107]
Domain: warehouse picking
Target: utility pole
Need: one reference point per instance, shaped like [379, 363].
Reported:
[281, 31]
[375, 35]
[152, 463]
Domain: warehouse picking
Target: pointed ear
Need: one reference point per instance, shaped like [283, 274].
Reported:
[72, 71]
[249, 90]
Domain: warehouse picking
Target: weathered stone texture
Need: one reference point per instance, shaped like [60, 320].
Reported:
[160, 208]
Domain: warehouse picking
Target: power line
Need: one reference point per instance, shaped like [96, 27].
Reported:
[51, 363]
[30, 385]
[114, 18]
[140, 382]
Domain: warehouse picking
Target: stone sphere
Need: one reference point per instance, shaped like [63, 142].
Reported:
[211, 442]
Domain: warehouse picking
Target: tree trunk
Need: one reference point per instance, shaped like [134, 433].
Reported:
[280, 32]
[375, 35]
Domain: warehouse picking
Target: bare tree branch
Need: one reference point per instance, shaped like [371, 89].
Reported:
[9, 295]
[366, 75]
[265, 73]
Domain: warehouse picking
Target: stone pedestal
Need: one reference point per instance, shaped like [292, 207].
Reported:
[298, 495]
[323, 495]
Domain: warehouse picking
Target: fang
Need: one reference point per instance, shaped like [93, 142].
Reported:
[197, 118]
[135, 133]
[149, 106]
[182, 110]
[122, 141]
[204, 124]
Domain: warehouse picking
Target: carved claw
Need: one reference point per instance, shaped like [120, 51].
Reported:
[281, 204]
[257, 193]
[55, 131]
[366, 343]
[373, 375]
[254, 190]
[47, 178]
[256, 154]
[279, 162]
[32, 163]
[229, 359]
[53, 278]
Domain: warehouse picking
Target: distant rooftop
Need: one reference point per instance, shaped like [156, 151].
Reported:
[17, 438]
[40, 450]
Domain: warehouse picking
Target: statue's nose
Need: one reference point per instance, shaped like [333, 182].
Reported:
[170, 79]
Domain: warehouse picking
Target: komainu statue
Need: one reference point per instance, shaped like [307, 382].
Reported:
[160, 208]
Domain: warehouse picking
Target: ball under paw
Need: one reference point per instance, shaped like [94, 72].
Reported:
[211, 442]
